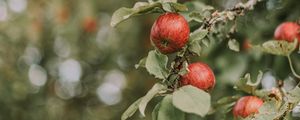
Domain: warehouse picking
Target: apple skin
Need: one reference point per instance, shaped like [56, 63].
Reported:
[287, 31]
[200, 75]
[246, 106]
[170, 33]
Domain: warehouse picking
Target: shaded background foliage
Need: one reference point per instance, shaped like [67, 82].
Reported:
[56, 64]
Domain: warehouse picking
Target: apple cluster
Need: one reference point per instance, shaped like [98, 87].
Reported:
[169, 34]
[247, 105]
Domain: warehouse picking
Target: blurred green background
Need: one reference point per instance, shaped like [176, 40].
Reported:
[61, 59]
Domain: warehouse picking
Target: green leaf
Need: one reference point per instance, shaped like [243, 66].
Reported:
[245, 84]
[196, 16]
[164, 1]
[205, 42]
[267, 111]
[157, 88]
[156, 64]
[184, 70]
[230, 15]
[192, 100]
[167, 7]
[141, 63]
[179, 7]
[174, 7]
[121, 15]
[131, 109]
[234, 45]
[276, 47]
[294, 95]
[155, 111]
[197, 35]
[200, 6]
[227, 99]
[195, 47]
[139, 8]
[167, 111]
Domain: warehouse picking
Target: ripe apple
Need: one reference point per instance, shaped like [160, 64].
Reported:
[246, 106]
[200, 75]
[170, 32]
[246, 45]
[89, 24]
[287, 31]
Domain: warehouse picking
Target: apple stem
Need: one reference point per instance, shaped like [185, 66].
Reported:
[292, 68]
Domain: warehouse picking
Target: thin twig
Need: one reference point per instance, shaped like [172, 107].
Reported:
[292, 68]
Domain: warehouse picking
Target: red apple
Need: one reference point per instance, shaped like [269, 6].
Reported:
[89, 24]
[246, 106]
[287, 31]
[170, 33]
[200, 75]
[246, 45]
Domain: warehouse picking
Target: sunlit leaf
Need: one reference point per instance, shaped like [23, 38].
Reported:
[267, 111]
[151, 93]
[156, 64]
[206, 42]
[234, 45]
[131, 109]
[294, 95]
[247, 85]
[184, 70]
[141, 63]
[277, 47]
[124, 13]
[192, 100]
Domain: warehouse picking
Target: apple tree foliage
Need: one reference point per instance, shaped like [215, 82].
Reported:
[207, 25]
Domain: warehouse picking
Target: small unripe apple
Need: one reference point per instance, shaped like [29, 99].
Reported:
[288, 31]
[170, 32]
[200, 75]
[246, 106]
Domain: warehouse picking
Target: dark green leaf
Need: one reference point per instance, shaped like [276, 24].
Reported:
[167, 111]
[234, 45]
[156, 64]
[131, 109]
[192, 100]
[151, 93]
